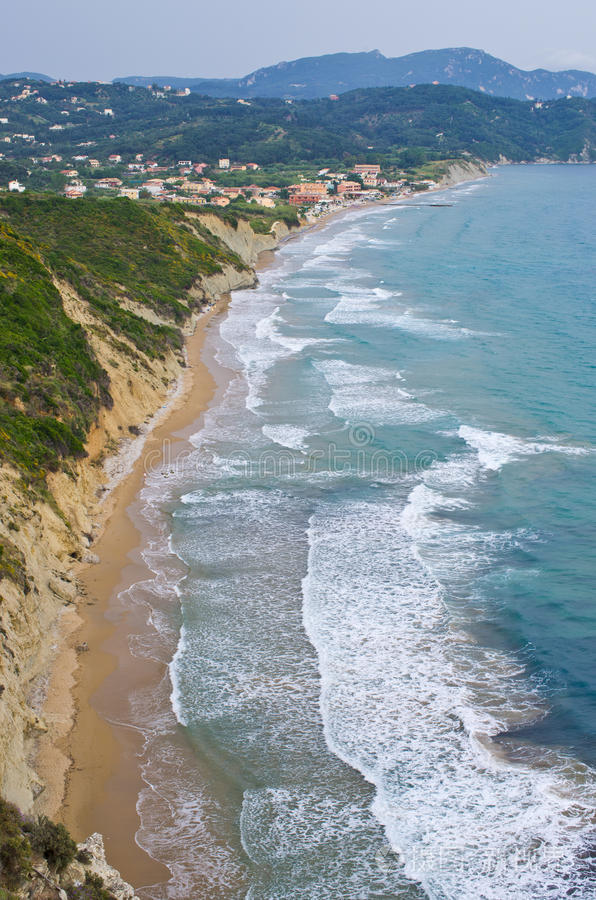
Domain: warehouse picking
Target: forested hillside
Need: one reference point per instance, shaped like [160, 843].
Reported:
[445, 121]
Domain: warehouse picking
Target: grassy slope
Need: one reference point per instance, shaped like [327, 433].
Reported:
[51, 386]
[113, 249]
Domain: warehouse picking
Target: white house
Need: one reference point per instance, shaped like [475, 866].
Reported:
[154, 186]
[16, 186]
[224, 163]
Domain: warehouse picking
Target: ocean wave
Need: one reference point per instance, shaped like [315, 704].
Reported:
[363, 309]
[413, 703]
[496, 449]
[368, 394]
[284, 828]
[376, 242]
[291, 436]
[268, 329]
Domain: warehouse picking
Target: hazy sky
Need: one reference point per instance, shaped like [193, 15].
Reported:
[100, 40]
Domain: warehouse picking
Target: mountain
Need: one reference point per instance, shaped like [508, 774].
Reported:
[336, 73]
[33, 76]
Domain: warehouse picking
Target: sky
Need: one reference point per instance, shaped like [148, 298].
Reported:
[99, 41]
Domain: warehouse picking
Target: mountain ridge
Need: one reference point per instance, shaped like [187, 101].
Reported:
[336, 73]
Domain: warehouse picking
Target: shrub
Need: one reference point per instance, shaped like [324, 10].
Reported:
[15, 850]
[92, 889]
[53, 841]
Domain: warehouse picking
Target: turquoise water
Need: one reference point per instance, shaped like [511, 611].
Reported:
[385, 681]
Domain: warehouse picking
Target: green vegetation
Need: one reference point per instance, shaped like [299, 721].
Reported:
[92, 889]
[15, 849]
[109, 251]
[260, 218]
[50, 384]
[52, 841]
[12, 565]
[24, 842]
[12, 170]
[376, 123]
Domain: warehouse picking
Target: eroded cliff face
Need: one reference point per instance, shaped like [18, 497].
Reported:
[243, 240]
[47, 536]
[51, 534]
[463, 170]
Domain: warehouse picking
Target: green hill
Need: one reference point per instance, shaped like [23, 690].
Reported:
[445, 121]
[109, 252]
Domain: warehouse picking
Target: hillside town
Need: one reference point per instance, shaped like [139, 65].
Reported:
[199, 184]
[62, 143]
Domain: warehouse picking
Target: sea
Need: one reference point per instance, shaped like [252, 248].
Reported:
[373, 583]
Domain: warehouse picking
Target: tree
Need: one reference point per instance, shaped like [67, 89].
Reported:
[412, 157]
[53, 841]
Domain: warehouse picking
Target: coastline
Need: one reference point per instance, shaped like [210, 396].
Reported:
[103, 778]
[100, 760]
[92, 766]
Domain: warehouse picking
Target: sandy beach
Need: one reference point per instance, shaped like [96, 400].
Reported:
[103, 781]
[92, 768]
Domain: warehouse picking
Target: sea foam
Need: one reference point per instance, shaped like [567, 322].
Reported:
[412, 704]
[496, 449]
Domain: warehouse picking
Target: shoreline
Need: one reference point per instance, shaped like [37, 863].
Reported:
[93, 758]
[98, 784]
[102, 767]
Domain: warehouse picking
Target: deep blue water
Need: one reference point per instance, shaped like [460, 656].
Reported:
[386, 676]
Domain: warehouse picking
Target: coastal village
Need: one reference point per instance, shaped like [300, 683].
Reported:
[199, 183]
[136, 176]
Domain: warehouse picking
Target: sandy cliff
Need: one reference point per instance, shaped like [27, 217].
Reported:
[463, 170]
